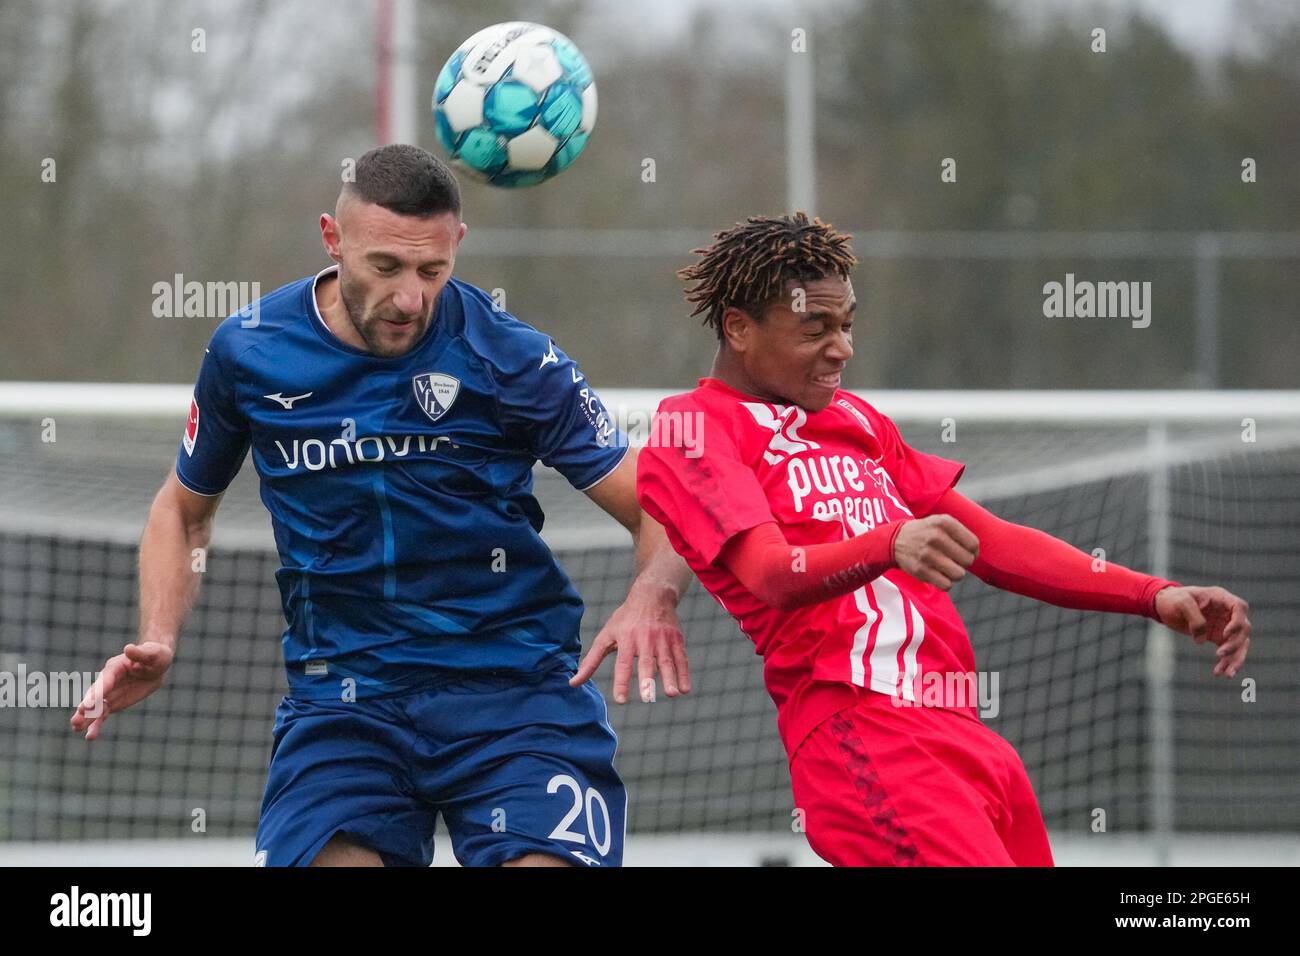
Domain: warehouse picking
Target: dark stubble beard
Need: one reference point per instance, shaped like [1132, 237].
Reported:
[367, 326]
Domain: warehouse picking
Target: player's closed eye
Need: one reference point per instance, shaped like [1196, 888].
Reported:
[848, 330]
[386, 270]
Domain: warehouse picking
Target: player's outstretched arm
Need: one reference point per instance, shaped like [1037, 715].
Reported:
[1035, 564]
[645, 626]
[180, 521]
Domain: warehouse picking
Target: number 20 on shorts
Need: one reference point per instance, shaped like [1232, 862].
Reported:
[587, 806]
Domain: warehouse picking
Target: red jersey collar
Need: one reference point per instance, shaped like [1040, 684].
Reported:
[719, 385]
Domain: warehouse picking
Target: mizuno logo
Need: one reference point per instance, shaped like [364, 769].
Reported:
[549, 357]
[287, 402]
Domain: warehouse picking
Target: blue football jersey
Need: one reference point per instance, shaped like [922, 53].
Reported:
[400, 488]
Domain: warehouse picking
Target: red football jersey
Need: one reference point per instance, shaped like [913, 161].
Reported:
[720, 462]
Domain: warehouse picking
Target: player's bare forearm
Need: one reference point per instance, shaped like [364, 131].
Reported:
[178, 529]
[170, 551]
[644, 627]
[660, 575]
[660, 572]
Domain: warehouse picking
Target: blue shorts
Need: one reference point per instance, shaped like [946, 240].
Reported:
[515, 767]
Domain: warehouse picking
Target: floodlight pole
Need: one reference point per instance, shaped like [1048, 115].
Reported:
[396, 95]
[800, 107]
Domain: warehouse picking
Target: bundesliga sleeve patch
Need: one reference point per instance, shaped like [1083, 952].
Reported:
[191, 427]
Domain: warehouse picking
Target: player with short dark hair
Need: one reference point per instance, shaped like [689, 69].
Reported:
[832, 543]
[395, 415]
[406, 180]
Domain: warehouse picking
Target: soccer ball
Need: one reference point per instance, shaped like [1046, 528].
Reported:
[515, 104]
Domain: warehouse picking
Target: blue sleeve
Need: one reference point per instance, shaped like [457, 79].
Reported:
[216, 436]
[559, 417]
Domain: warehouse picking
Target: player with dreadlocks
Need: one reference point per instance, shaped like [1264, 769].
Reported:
[833, 544]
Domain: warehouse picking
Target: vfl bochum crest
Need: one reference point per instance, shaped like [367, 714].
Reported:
[435, 392]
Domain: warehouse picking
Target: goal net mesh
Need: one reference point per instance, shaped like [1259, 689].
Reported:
[1075, 693]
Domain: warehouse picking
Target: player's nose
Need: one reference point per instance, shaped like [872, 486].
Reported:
[840, 347]
[408, 300]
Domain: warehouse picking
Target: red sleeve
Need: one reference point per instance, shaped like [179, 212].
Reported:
[704, 495]
[921, 478]
[786, 577]
[1037, 565]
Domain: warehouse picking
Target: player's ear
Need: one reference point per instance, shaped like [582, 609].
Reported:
[329, 234]
[461, 235]
[735, 328]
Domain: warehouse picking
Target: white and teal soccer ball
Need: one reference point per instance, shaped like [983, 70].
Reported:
[515, 104]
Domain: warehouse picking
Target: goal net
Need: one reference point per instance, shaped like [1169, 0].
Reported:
[1110, 714]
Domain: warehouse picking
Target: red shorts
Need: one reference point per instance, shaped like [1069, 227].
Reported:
[882, 785]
